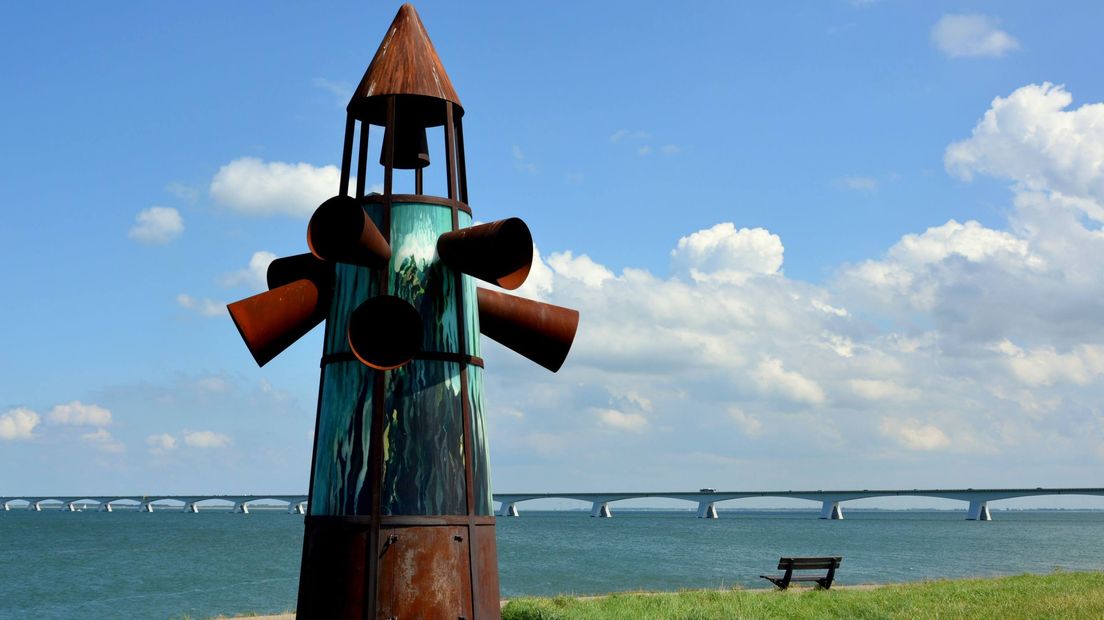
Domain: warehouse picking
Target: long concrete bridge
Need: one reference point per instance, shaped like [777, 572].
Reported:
[147, 503]
[707, 499]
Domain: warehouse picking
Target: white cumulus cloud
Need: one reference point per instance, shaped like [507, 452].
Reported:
[255, 187]
[723, 251]
[18, 423]
[581, 268]
[773, 377]
[1031, 137]
[962, 35]
[157, 225]
[77, 413]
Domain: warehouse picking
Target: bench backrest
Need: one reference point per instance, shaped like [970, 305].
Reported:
[809, 563]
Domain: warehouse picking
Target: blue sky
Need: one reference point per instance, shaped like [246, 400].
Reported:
[868, 232]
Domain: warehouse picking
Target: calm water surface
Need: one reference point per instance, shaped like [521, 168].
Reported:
[169, 564]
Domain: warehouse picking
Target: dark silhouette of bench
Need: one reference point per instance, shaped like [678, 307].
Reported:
[791, 564]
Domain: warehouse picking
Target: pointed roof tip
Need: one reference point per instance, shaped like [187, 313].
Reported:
[406, 63]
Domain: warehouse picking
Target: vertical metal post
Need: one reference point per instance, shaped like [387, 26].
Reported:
[362, 159]
[460, 165]
[346, 155]
[450, 151]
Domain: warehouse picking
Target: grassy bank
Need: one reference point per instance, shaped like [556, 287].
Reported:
[1059, 595]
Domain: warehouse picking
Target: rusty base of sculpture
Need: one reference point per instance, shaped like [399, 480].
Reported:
[423, 568]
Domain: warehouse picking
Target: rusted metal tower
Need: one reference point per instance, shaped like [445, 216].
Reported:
[400, 521]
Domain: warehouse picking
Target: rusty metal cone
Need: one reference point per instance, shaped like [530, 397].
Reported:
[298, 267]
[539, 331]
[385, 332]
[499, 252]
[271, 321]
[340, 230]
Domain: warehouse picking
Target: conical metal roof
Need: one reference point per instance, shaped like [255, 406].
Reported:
[405, 64]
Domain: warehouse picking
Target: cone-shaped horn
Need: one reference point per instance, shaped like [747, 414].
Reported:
[411, 148]
[301, 266]
[541, 332]
[499, 252]
[341, 231]
[271, 321]
[385, 332]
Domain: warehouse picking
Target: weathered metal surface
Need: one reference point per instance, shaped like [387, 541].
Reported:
[341, 231]
[405, 64]
[335, 561]
[485, 571]
[385, 332]
[541, 332]
[271, 321]
[424, 572]
[499, 252]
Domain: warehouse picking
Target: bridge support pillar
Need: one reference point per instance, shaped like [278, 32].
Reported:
[191, 507]
[600, 509]
[706, 510]
[34, 506]
[508, 510]
[978, 511]
[241, 508]
[830, 510]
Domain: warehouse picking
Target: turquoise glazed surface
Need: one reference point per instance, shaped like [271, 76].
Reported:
[422, 428]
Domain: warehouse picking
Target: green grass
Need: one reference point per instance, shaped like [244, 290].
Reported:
[1059, 595]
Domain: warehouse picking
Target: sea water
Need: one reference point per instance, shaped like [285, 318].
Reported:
[170, 564]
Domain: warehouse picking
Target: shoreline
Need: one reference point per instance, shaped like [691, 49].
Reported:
[795, 589]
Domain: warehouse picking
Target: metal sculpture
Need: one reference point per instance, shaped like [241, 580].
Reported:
[400, 521]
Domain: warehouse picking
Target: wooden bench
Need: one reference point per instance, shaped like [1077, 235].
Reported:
[791, 564]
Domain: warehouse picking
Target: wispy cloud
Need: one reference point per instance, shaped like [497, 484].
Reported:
[643, 148]
[254, 276]
[206, 439]
[858, 183]
[161, 443]
[628, 134]
[520, 161]
[103, 441]
[965, 35]
[341, 90]
[204, 306]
